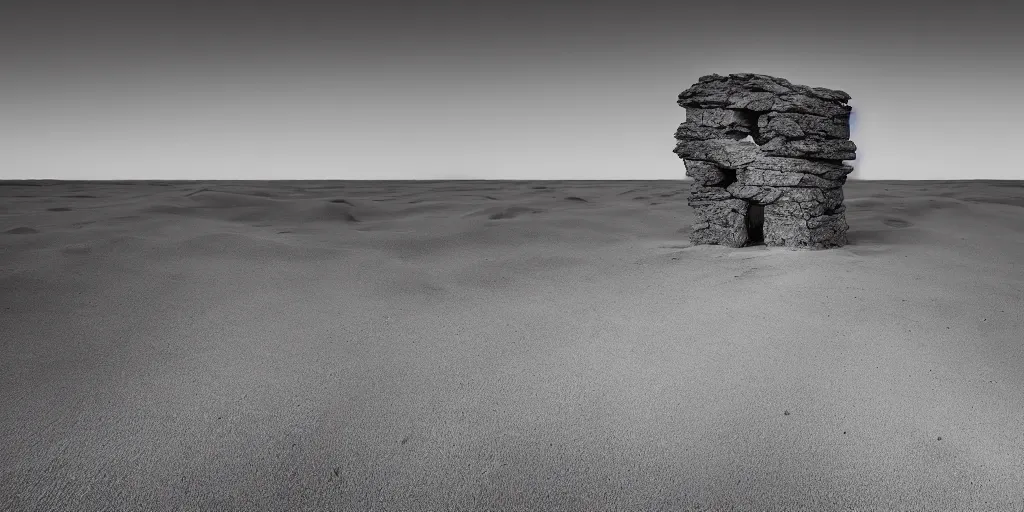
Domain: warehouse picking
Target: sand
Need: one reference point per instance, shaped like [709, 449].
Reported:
[503, 346]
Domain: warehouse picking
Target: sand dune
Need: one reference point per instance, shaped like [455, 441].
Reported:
[482, 345]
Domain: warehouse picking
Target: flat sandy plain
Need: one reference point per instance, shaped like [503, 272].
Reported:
[476, 345]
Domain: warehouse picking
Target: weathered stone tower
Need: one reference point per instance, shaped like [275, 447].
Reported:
[766, 157]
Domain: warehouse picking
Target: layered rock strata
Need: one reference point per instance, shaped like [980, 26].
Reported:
[766, 157]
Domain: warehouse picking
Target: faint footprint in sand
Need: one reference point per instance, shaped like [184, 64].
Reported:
[512, 212]
[76, 249]
[21, 230]
[58, 209]
[896, 223]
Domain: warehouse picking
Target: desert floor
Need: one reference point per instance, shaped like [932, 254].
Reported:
[483, 345]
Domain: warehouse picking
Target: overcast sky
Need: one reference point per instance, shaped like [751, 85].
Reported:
[478, 89]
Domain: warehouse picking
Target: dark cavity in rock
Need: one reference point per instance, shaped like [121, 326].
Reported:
[730, 178]
[755, 224]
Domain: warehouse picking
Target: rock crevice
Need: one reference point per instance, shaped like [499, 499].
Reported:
[783, 185]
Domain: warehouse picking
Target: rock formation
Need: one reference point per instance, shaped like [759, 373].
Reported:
[766, 157]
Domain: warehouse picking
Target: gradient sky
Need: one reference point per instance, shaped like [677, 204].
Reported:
[476, 89]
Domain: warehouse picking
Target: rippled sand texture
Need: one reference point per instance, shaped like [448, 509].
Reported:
[503, 346]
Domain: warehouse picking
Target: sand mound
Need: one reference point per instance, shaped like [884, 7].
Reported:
[253, 248]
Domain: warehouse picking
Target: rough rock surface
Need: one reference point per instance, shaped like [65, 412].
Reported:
[766, 157]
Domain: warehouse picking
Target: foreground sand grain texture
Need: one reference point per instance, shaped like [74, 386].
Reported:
[503, 346]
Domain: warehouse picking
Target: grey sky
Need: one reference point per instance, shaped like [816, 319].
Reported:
[569, 90]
